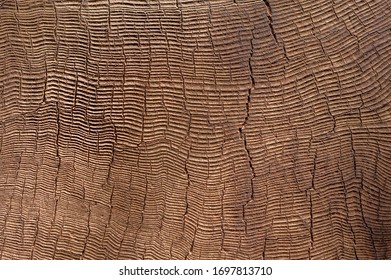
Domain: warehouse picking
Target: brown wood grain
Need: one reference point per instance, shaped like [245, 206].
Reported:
[195, 129]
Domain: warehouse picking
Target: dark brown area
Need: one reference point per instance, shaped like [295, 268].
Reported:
[195, 129]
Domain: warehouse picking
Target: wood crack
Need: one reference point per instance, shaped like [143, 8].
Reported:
[370, 231]
[109, 16]
[186, 191]
[35, 235]
[106, 182]
[242, 132]
[347, 210]
[353, 154]
[88, 232]
[269, 15]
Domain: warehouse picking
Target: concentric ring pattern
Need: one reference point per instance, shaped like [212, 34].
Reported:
[139, 129]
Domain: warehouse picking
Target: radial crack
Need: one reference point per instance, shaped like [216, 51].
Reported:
[186, 190]
[343, 180]
[364, 220]
[243, 134]
[269, 16]
[353, 153]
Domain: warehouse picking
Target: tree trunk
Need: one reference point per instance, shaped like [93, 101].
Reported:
[195, 129]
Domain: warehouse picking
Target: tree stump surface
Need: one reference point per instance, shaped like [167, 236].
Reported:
[195, 129]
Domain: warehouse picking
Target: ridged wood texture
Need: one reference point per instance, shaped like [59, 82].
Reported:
[195, 129]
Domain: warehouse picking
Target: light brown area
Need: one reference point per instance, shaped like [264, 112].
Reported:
[195, 129]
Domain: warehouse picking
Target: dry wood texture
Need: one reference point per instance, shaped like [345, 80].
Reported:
[195, 129]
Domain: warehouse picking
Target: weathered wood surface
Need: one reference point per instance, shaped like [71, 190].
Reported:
[195, 129]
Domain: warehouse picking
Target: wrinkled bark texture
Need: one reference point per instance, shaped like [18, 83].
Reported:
[254, 129]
